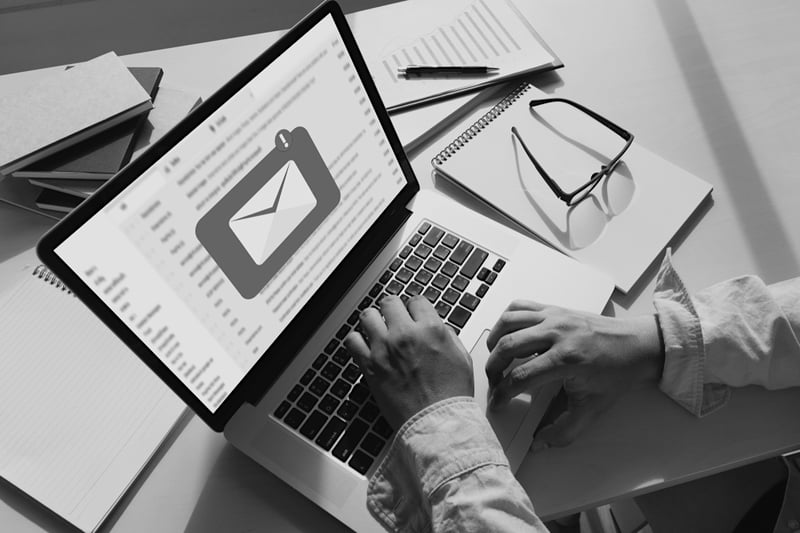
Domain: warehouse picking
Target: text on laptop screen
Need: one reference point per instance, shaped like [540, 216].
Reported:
[212, 251]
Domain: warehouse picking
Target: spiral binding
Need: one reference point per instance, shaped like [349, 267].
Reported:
[44, 274]
[480, 124]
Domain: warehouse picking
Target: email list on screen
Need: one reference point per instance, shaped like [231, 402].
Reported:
[215, 248]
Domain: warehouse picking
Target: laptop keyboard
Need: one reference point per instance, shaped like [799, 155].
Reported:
[331, 404]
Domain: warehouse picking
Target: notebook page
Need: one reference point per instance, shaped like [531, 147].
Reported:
[446, 32]
[620, 229]
[81, 415]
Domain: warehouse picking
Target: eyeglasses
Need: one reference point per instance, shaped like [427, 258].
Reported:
[584, 191]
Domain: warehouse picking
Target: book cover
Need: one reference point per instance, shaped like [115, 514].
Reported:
[101, 156]
[65, 108]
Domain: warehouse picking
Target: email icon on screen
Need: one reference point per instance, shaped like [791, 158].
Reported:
[269, 214]
[269, 217]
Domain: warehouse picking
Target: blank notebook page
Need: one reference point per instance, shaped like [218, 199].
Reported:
[80, 414]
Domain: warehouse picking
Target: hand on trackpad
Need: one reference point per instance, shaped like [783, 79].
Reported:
[507, 420]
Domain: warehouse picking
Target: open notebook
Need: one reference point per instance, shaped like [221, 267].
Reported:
[620, 229]
[81, 414]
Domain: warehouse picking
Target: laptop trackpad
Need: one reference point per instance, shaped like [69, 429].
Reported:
[508, 420]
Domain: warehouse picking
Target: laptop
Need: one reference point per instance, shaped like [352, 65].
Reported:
[234, 256]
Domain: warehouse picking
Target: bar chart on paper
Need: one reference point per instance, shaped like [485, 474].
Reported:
[447, 32]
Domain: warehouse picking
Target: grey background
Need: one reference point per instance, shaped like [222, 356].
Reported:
[48, 33]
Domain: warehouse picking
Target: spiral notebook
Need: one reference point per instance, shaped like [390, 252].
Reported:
[621, 228]
[81, 415]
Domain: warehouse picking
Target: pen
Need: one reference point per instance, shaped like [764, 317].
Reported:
[421, 70]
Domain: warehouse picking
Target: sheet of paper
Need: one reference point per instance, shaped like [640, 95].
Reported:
[628, 219]
[80, 419]
[461, 32]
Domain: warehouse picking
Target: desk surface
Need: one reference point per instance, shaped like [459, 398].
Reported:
[711, 86]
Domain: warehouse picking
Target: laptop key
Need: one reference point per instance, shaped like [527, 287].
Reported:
[341, 356]
[343, 331]
[347, 444]
[482, 290]
[319, 386]
[440, 282]
[441, 252]
[415, 239]
[383, 428]
[449, 269]
[366, 302]
[414, 289]
[451, 296]
[432, 264]
[375, 290]
[369, 412]
[459, 316]
[460, 283]
[329, 404]
[423, 277]
[414, 263]
[307, 376]
[327, 438]
[353, 318]
[331, 371]
[461, 252]
[423, 251]
[450, 240]
[482, 273]
[433, 237]
[405, 251]
[498, 265]
[443, 309]
[474, 262]
[347, 410]
[491, 277]
[470, 301]
[281, 409]
[394, 265]
[313, 425]
[307, 402]
[394, 287]
[360, 462]
[385, 277]
[432, 294]
[404, 275]
[424, 227]
[331, 346]
[294, 418]
[372, 444]
[351, 373]
[359, 394]
[340, 388]
[294, 393]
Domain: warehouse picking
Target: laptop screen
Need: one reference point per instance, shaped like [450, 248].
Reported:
[216, 247]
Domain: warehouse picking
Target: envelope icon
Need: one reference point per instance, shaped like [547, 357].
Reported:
[273, 212]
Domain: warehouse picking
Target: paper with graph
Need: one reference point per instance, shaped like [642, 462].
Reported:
[446, 32]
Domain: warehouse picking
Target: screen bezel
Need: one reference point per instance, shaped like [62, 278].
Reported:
[282, 351]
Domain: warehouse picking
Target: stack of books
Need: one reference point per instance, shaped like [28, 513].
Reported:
[70, 133]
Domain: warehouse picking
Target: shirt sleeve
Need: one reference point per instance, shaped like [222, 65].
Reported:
[735, 333]
[446, 471]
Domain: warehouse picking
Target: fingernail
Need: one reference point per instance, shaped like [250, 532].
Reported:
[538, 445]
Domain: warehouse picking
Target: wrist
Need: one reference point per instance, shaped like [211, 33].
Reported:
[648, 347]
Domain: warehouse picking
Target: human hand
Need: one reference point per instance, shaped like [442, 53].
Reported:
[412, 360]
[598, 358]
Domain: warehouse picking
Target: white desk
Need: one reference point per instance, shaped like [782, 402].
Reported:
[715, 87]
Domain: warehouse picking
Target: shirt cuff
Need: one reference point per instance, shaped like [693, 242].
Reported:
[443, 441]
[683, 378]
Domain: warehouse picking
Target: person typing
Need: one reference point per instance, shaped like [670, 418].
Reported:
[445, 469]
